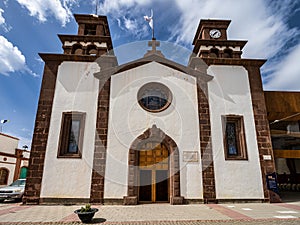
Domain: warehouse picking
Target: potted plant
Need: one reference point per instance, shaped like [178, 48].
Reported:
[86, 213]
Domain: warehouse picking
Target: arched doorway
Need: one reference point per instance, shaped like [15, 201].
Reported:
[153, 169]
[153, 173]
[4, 176]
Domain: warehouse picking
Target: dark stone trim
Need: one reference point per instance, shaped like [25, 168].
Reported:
[233, 201]
[66, 57]
[203, 42]
[106, 63]
[234, 62]
[208, 174]
[98, 20]
[40, 136]
[153, 134]
[97, 186]
[19, 155]
[193, 201]
[85, 38]
[261, 124]
[8, 155]
[113, 201]
[131, 200]
[63, 201]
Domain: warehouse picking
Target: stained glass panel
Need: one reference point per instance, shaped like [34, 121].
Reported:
[74, 136]
[154, 97]
[231, 138]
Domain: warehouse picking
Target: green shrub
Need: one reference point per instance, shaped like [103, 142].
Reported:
[87, 208]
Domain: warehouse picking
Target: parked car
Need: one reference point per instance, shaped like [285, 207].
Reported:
[14, 191]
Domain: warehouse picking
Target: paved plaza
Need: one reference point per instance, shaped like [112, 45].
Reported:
[247, 213]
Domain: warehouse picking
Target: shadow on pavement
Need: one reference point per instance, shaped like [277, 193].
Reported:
[289, 196]
[98, 220]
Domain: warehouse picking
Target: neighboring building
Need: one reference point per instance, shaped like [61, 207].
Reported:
[284, 118]
[151, 130]
[13, 161]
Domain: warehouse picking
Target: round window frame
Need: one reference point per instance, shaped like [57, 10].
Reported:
[159, 86]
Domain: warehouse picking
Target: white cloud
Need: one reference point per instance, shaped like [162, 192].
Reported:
[3, 24]
[287, 74]
[42, 9]
[2, 20]
[130, 24]
[118, 6]
[11, 58]
[127, 15]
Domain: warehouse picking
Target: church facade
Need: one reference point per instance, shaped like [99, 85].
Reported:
[150, 130]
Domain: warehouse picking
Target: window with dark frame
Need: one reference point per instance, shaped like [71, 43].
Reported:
[234, 138]
[90, 29]
[71, 135]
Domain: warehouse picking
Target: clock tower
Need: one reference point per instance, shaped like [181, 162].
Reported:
[234, 74]
[211, 41]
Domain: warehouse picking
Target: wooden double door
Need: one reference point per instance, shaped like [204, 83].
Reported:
[154, 173]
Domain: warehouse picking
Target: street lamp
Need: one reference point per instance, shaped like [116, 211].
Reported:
[3, 122]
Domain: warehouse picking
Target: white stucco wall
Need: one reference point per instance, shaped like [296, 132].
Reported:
[76, 90]
[127, 121]
[8, 144]
[229, 93]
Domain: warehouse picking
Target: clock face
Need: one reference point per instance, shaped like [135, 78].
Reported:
[214, 33]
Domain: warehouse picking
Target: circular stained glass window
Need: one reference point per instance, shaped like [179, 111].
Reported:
[154, 97]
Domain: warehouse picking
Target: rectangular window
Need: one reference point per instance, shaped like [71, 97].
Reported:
[90, 29]
[234, 138]
[71, 135]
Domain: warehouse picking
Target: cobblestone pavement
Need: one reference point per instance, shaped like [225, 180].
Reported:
[152, 214]
[234, 222]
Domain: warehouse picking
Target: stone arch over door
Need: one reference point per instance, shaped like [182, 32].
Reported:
[153, 134]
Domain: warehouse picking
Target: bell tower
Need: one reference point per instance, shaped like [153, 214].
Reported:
[211, 41]
[68, 72]
[93, 37]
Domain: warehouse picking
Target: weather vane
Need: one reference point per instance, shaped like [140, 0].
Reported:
[149, 19]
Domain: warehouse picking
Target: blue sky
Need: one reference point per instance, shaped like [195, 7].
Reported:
[28, 27]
